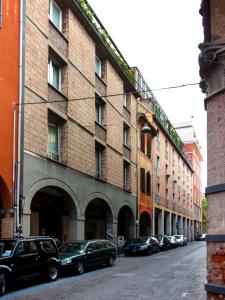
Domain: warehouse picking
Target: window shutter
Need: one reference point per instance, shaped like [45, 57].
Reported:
[142, 180]
[148, 183]
[149, 146]
[142, 142]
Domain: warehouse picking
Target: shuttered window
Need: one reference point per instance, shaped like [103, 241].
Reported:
[142, 180]
[142, 142]
[148, 183]
[149, 145]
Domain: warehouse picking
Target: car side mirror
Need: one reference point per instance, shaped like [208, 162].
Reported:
[20, 253]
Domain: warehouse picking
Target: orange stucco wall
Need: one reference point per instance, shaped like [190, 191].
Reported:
[9, 74]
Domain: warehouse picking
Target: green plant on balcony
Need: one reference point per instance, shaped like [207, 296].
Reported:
[103, 34]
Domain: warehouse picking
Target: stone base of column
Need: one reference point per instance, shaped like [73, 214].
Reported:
[6, 223]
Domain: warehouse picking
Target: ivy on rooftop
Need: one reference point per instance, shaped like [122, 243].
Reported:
[106, 39]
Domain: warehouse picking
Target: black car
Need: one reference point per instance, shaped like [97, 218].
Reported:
[22, 258]
[164, 242]
[141, 245]
[200, 237]
[77, 256]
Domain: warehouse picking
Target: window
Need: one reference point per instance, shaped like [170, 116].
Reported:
[54, 141]
[55, 14]
[158, 197]
[27, 248]
[158, 166]
[158, 141]
[142, 180]
[98, 161]
[126, 135]
[148, 183]
[166, 173]
[126, 176]
[48, 246]
[98, 67]
[99, 107]
[54, 74]
[167, 198]
[126, 100]
[149, 145]
[173, 158]
[143, 142]
[166, 149]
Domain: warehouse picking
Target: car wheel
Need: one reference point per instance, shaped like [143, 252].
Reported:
[80, 267]
[111, 261]
[149, 252]
[3, 282]
[52, 272]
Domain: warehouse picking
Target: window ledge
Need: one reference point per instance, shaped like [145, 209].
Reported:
[127, 109]
[58, 30]
[127, 146]
[100, 125]
[58, 91]
[101, 79]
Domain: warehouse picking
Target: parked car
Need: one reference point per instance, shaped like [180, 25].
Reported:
[141, 245]
[77, 256]
[200, 237]
[22, 258]
[164, 242]
[173, 241]
[181, 240]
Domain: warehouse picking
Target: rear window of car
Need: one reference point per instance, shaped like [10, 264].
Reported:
[48, 246]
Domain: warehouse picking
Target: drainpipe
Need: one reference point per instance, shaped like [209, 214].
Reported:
[17, 208]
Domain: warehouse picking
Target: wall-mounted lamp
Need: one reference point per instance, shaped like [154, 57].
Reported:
[146, 129]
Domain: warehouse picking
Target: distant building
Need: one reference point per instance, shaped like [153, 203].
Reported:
[193, 151]
[162, 161]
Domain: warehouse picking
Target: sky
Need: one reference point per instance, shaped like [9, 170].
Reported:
[161, 38]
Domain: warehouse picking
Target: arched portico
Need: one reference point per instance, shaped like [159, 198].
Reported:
[51, 208]
[145, 224]
[126, 222]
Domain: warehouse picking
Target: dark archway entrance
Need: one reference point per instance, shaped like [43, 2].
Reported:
[98, 220]
[145, 224]
[126, 223]
[52, 210]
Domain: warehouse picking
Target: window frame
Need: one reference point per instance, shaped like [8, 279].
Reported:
[98, 161]
[126, 135]
[126, 175]
[98, 72]
[51, 64]
[50, 154]
[51, 4]
[142, 180]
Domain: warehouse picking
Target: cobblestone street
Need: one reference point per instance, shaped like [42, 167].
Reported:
[175, 274]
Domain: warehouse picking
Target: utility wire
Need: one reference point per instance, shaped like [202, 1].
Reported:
[110, 95]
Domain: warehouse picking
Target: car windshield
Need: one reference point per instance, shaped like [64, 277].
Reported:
[140, 240]
[169, 237]
[178, 237]
[6, 247]
[72, 247]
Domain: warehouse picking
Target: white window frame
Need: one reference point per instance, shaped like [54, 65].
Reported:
[98, 72]
[51, 63]
[51, 3]
[126, 99]
[51, 154]
[126, 171]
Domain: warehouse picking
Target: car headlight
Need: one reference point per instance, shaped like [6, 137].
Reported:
[144, 247]
[67, 261]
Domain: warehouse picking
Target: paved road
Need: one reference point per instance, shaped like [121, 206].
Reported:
[176, 274]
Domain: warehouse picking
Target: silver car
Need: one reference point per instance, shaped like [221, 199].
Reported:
[181, 239]
[173, 241]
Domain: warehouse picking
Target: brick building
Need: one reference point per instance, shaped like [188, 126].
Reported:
[193, 152]
[163, 162]
[212, 60]
[78, 171]
[9, 98]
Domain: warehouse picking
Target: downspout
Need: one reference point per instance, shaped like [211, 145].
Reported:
[17, 217]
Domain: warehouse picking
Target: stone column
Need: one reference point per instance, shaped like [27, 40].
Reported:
[168, 224]
[161, 222]
[153, 222]
[26, 224]
[6, 223]
[175, 224]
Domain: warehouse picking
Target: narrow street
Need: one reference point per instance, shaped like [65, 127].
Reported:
[175, 274]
